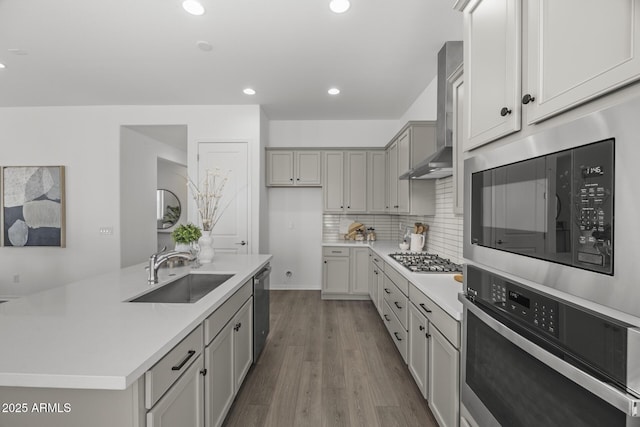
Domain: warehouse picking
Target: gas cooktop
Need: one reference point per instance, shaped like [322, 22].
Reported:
[422, 262]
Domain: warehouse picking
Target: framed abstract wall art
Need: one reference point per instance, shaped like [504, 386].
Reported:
[33, 206]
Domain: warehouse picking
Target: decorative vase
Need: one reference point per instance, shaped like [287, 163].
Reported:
[206, 248]
[183, 247]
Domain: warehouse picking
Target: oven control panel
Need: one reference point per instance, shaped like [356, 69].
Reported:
[536, 310]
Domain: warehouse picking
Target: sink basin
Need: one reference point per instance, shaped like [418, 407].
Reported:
[187, 289]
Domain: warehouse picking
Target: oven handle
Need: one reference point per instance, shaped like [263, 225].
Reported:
[625, 402]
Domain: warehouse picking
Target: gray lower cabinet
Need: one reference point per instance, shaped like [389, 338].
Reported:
[182, 404]
[444, 390]
[227, 357]
[220, 381]
[418, 352]
[345, 273]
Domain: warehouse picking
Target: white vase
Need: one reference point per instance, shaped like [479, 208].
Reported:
[206, 248]
[183, 247]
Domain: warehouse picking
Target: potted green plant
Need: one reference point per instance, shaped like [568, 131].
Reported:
[184, 234]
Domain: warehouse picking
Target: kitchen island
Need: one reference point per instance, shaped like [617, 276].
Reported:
[83, 350]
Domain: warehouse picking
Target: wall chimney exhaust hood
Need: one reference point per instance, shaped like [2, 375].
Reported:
[440, 164]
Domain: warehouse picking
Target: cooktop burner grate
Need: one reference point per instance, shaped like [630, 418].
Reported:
[420, 262]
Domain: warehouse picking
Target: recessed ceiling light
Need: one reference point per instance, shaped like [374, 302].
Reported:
[339, 6]
[249, 91]
[333, 91]
[2, 65]
[194, 7]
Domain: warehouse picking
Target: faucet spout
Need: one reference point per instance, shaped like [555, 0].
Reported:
[157, 259]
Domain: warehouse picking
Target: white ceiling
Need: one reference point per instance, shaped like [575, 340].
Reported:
[381, 54]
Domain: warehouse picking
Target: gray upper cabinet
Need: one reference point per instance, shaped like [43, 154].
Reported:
[356, 183]
[492, 65]
[571, 61]
[377, 182]
[333, 181]
[414, 143]
[345, 181]
[294, 168]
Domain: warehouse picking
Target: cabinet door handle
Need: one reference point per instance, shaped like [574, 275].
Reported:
[397, 305]
[325, 262]
[242, 243]
[424, 307]
[336, 252]
[203, 372]
[237, 327]
[428, 335]
[387, 290]
[348, 207]
[527, 99]
[505, 111]
[291, 179]
[375, 271]
[297, 179]
[421, 328]
[184, 361]
[396, 206]
[397, 337]
[386, 318]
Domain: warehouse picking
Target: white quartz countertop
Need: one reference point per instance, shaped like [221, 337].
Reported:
[440, 287]
[84, 335]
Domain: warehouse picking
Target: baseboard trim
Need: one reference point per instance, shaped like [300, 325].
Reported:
[293, 287]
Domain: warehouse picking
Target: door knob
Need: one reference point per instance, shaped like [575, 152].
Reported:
[242, 243]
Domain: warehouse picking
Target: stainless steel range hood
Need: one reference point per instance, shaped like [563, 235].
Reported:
[440, 164]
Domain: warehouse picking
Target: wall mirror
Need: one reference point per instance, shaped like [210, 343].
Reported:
[168, 209]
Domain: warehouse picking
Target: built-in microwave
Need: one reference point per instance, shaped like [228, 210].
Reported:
[556, 207]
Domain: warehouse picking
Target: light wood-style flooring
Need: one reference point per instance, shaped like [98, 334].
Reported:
[328, 363]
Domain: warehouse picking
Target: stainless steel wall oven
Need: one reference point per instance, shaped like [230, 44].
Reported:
[531, 359]
[552, 297]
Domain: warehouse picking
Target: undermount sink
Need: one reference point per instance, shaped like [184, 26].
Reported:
[187, 289]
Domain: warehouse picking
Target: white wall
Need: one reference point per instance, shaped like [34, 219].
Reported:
[86, 141]
[425, 105]
[298, 249]
[295, 227]
[172, 177]
[138, 183]
[331, 133]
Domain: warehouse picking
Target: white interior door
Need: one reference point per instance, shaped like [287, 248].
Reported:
[230, 235]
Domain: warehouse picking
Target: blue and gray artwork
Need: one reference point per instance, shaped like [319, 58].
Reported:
[32, 206]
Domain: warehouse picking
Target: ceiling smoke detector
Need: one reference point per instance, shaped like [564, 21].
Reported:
[339, 6]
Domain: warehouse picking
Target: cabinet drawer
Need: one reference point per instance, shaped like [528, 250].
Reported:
[397, 301]
[397, 278]
[447, 325]
[396, 330]
[377, 260]
[215, 322]
[335, 251]
[163, 374]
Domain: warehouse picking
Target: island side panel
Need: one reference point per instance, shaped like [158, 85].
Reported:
[56, 407]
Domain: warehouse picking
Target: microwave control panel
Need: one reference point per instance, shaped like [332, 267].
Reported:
[593, 178]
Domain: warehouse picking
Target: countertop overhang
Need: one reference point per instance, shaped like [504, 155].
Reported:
[86, 336]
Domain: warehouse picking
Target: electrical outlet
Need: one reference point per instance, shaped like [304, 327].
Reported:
[401, 227]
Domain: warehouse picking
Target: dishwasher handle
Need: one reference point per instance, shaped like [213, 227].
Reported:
[263, 273]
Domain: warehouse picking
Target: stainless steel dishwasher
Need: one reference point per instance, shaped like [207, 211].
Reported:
[260, 310]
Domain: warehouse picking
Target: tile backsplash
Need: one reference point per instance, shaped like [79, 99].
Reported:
[445, 228]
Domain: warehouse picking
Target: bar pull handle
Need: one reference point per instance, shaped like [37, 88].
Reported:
[424, 307]
[184, 361]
